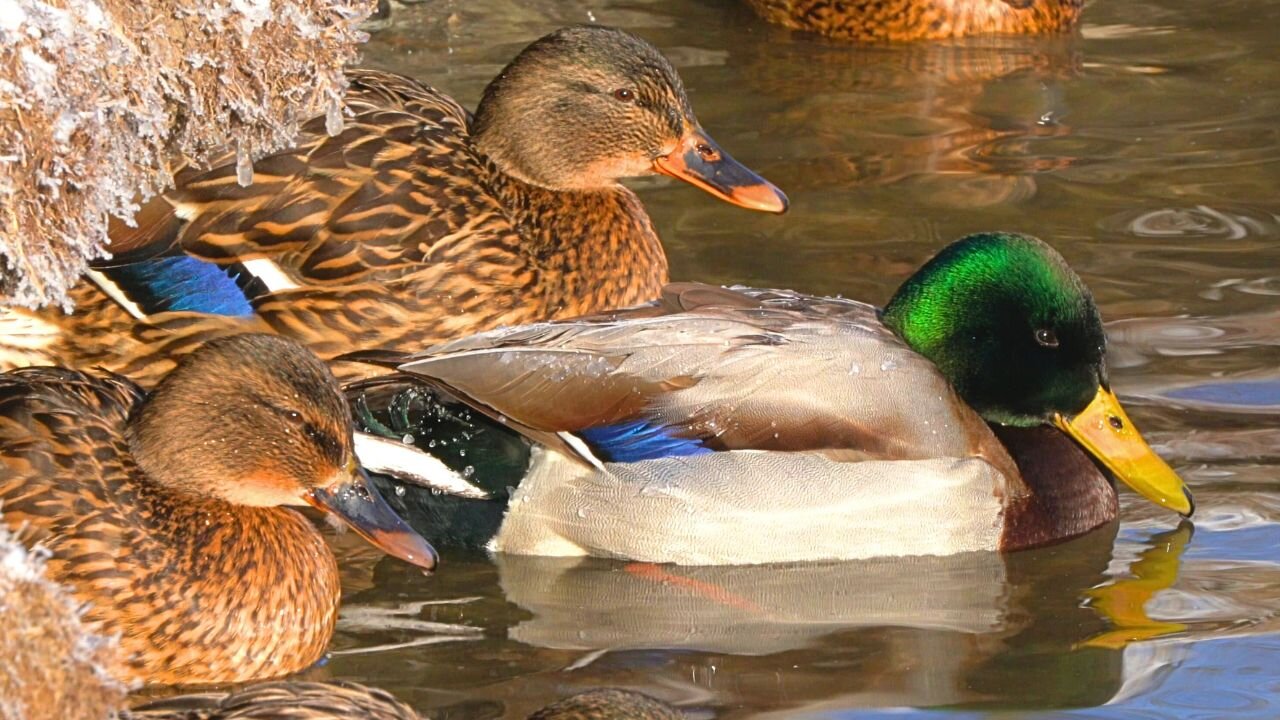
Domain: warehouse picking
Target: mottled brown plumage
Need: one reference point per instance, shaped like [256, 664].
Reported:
[162, 513]
[417, 223]
[908, 20]
[281, 701]
[608, 704]
[351, 701]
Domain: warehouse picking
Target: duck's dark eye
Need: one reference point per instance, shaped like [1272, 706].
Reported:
[294, 416]
[624, 94]
[1047, 337]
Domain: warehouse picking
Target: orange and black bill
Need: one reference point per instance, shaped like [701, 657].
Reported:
[699, 161]
[1106, 432]
[358, 503]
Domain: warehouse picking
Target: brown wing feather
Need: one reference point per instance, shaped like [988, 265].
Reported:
[741, 369]
[281, 701]
[368, 204]
[57, 424]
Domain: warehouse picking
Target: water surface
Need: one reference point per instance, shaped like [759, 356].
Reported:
[1146, 150]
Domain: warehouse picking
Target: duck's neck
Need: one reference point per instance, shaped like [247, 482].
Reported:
[1065, 493]
[230, 592]
[588, 250]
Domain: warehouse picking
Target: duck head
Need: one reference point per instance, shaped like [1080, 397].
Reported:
[257, 420]
[586, 106]
[1019, 337]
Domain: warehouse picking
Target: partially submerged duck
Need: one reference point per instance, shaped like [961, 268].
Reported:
[724, 426]
[908, 20]
[165, 514]
[352, 701]
[415, 224]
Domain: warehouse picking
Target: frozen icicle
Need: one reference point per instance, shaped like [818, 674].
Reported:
[333, 117]
[244, 167]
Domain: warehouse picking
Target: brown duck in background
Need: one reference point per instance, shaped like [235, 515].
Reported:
[343, 700]
[162, 514]
[415, 224]
[908, 20]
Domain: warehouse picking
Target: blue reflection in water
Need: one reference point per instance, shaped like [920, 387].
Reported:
[1238, 393]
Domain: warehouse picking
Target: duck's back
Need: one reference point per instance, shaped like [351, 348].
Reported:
[906, 20]
[157, 571]
[748, 369]
[369, 203]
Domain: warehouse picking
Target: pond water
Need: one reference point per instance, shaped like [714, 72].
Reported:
[1147, 150]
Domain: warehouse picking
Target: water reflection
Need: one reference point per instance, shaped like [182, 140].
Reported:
[1046, 627]
[961, 122]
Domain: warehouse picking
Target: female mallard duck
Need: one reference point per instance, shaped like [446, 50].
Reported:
[416, 223]
[351, 701]
[907, 20]
[725, 426]
[163, 513]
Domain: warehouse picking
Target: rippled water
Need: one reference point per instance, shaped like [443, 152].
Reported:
[1146, 150]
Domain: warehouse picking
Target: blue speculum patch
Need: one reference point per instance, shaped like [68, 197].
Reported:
[639, 440]
[184, 284]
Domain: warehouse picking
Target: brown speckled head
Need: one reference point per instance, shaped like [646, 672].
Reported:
[581, 108]
[251, 419]
[586, 106]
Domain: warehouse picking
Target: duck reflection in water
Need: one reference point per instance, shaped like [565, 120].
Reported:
[967, 122]
[1049, 628]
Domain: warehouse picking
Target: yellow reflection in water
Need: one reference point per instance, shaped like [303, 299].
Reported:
[1123, 602]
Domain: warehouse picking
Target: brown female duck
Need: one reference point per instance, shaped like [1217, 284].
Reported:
[164, 514]
[907, 20]
[416, 223]
[344, 700]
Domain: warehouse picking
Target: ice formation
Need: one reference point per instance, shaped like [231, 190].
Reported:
[102, 100]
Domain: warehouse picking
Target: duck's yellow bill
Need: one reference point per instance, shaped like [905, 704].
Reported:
[1106, 432]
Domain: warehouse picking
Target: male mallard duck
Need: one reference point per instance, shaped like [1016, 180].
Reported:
[416, 223]
[163, 514]
[907, 20]
[725, 426]
[352, 701]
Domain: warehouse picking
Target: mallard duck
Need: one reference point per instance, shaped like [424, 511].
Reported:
[352, 701]
[418, 222]
[164, 513]
[727, 426]
[907, 20]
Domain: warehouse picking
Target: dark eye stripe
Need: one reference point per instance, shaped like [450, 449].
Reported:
[327, 442]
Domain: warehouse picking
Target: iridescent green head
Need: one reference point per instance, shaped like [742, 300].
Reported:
[1020, 338]
[1009, 324]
